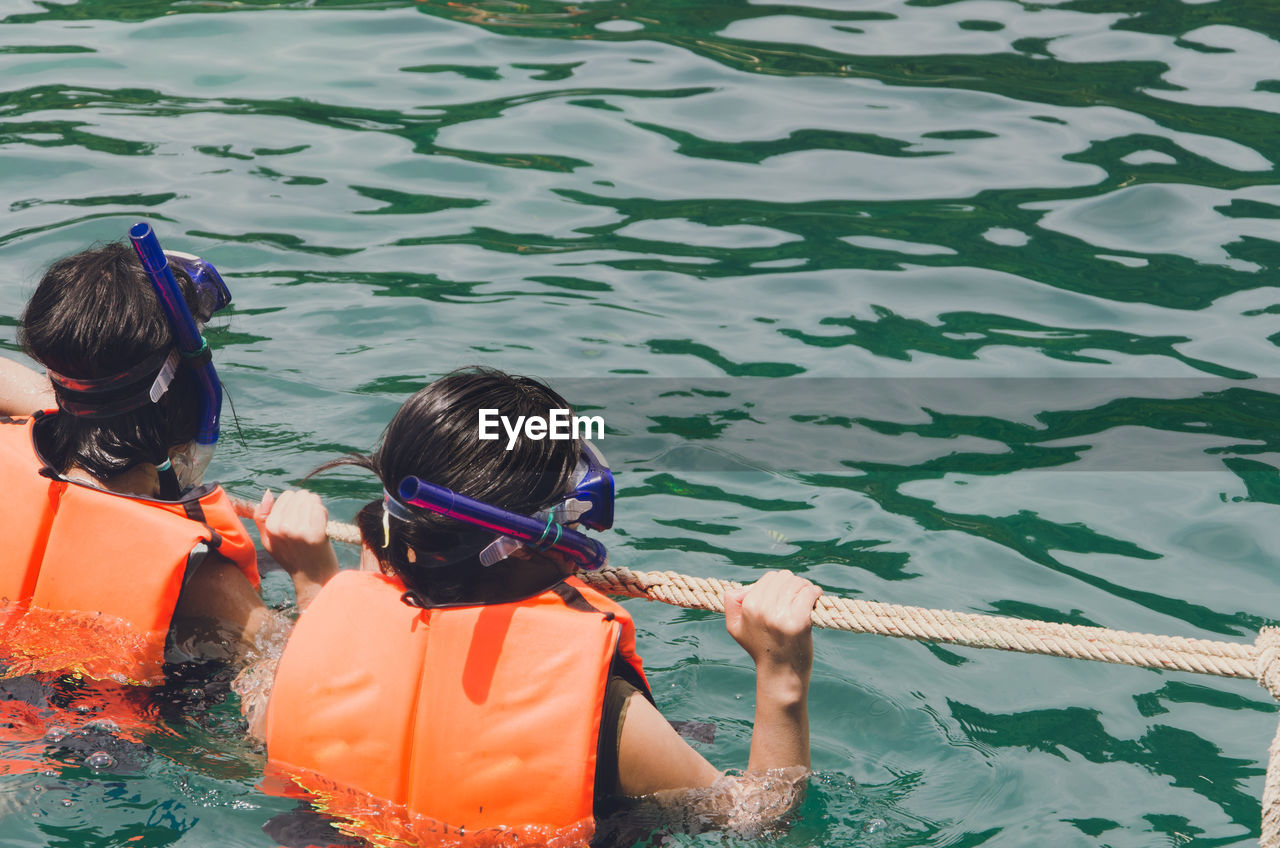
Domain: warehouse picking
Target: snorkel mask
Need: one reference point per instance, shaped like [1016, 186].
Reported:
[212, 294]
[146, 382]
[189, 464]
[590, 504]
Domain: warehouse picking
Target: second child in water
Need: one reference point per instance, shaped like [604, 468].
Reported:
[465, 675]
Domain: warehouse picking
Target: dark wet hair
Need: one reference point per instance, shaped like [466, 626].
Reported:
[434, 436]
[95, 314]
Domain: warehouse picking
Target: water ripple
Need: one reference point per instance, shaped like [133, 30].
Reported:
[963, 304]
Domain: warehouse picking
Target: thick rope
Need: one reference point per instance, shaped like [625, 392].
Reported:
[335, 530]
[1271, 798]
[1269, 676]
[1226, 659]
[1202, 656]
[1269, 660]
[1258, 661]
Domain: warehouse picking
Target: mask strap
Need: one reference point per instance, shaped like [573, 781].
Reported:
[393, 507]
[391, 504]
[83, 398]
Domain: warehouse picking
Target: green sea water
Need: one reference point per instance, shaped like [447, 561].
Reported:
[957, 304]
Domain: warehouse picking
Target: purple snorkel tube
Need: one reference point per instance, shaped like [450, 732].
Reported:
[191, 345]
[537, 533]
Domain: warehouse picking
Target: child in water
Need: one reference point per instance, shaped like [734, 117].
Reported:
[115, 556]
[465, 675]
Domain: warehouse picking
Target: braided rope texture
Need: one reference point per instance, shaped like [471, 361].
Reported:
[1226, 659]
[1202, 656]
[1269, 677]
[1271, 798]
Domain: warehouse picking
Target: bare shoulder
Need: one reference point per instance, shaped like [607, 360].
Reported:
[216, 587]
[653, 757]
[219, 603]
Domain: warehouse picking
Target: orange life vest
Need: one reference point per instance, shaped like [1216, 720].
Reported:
[88, 578]
[466, 718]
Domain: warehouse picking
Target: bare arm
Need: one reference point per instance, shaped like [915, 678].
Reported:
[771, 620]
[652, 757]
[221, 616]
[292, 529]
[23, 390]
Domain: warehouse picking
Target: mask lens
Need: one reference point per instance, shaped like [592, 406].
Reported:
[596, 488]
[190, 463]
[212, 293]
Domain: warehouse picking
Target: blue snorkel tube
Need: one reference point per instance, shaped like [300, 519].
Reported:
[536, 533]
[191, 346]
